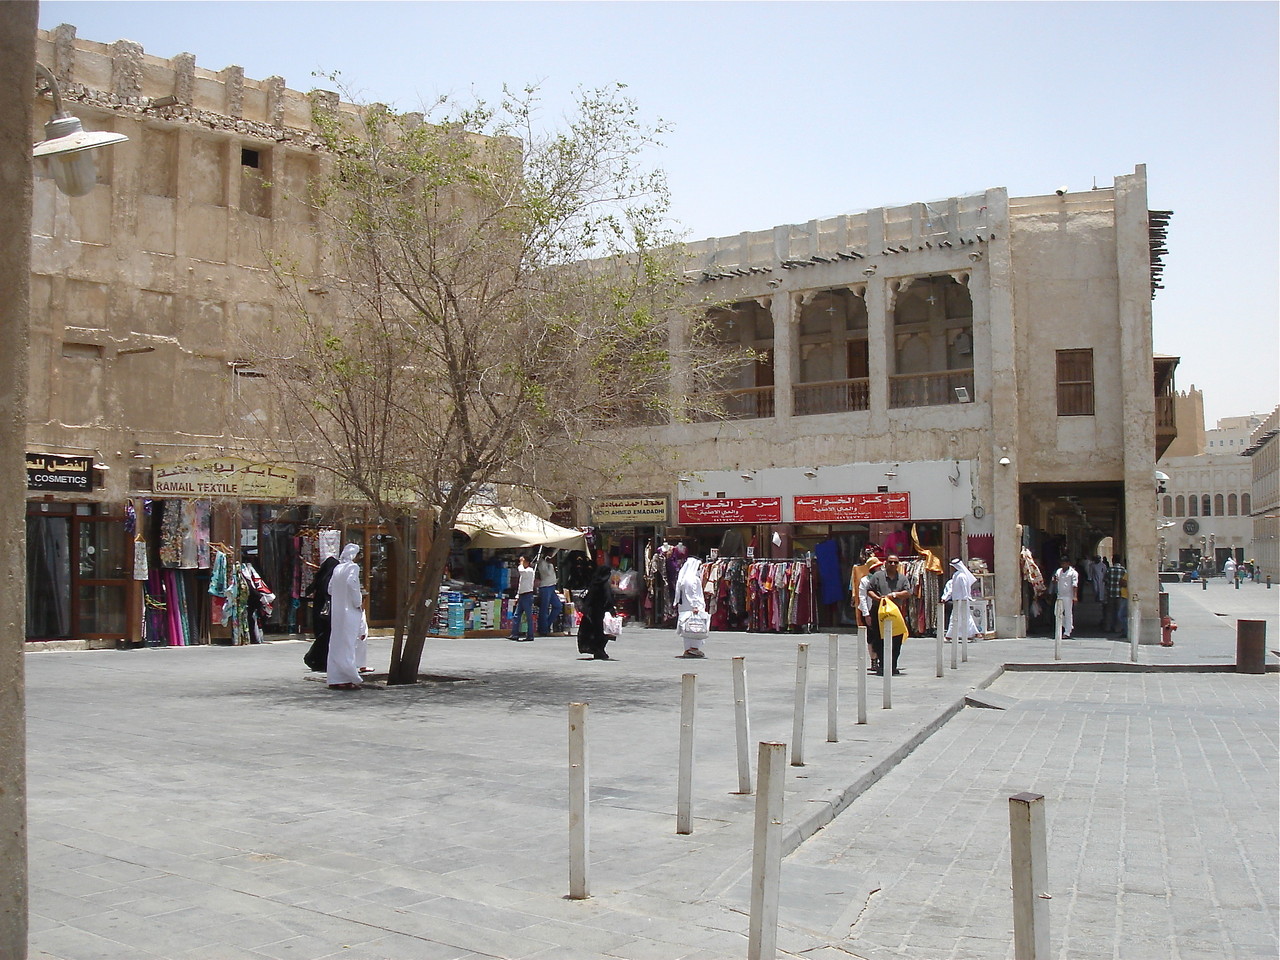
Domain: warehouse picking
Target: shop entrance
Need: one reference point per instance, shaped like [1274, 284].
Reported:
[1076, 520]
[77, 573]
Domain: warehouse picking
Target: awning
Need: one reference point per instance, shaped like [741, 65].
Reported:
[500, 527]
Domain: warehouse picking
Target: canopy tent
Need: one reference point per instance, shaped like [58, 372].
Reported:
[498, 527]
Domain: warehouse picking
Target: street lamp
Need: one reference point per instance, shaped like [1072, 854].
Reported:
[68, 145]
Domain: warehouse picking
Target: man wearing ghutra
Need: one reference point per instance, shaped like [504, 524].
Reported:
[348, 628]
[960, 587]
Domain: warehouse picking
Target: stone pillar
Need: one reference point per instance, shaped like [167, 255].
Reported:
[17, 73]
[879, 328]
[784, 309]
[1133, 271]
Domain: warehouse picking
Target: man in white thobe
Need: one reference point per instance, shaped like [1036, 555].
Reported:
[348, 628]
[1066, 582]
[958, 588]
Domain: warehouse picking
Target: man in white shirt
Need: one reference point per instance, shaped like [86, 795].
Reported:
[549, 602]
[1066, 583]
[524, 602]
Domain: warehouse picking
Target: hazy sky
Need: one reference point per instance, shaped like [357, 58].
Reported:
[786, 112]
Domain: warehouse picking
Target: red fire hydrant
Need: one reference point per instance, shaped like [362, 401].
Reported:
[1167, 626]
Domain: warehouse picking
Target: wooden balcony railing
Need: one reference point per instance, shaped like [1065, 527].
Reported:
[930, 389]
[832, 396]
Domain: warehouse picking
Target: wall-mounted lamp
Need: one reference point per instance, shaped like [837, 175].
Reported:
[747, 475]
[1004, 461]
[869, 271]
[975, 256]
[962, 394]
[811, 473]
[890, 474]
[67, 145]
[139, 455]
[686, 479]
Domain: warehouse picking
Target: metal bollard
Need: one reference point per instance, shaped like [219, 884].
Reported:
[742, 724]
[1251, 646]
[766, 854]
[797, 720]
[684, 791]
[1028, 853]
[1204, 583]
[833, 687]
[579, 805]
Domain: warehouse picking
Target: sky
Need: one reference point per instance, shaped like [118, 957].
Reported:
[787, 112]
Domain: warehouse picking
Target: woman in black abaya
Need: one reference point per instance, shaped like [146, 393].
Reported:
[317, 657]
[598, 601]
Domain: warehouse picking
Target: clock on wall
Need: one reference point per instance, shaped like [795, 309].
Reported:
[1191, 527]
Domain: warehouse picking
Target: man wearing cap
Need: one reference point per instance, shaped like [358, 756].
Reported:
[861, 582]
[887, 583]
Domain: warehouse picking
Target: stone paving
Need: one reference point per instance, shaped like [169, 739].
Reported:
[214, 803]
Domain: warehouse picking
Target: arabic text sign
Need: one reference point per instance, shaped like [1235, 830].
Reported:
[732, 510]
[853, 507]
[51, 471]
[643, 510]
[224, 477]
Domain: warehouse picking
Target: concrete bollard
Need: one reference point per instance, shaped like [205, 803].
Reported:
[966, 614]
[886, 666]
[941, 631]
[579, 805]
[833, 687]
[797, 719]
[1135, 626]
[1251, 646]
[684, 791]
[1028, 854]
[766, 854]
[862, 674]
[1057, 628]
[742, 724]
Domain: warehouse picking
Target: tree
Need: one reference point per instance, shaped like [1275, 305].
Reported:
[499, 298]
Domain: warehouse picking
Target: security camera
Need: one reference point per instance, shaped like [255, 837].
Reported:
[1060, 191]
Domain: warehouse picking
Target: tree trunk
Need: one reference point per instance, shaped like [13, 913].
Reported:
[422, 611]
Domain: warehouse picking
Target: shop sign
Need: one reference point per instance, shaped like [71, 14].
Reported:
[853, 507]
[224, 477]
[625, 510]
[51, 471]
[732, 510]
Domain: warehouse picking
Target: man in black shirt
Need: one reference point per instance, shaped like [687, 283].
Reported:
[886, 583]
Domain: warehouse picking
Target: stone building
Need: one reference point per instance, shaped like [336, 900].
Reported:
[1207, 500]
[1264, 457]
[980, 369]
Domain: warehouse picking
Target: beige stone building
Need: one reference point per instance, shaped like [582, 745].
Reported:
[1264, 457]
[979, 368]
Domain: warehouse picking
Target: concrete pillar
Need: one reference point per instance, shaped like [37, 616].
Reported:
[783, 310]
[879, 328]
[1133, 271]
[17, 75]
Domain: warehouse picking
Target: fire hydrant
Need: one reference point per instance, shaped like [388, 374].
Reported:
[1167, 626]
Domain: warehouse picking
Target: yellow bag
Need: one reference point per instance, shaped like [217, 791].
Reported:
[897, 626]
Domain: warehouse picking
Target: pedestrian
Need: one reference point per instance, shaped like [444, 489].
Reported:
[524, 602]
[958, 588]
[863, 599]
[1229, 569]
[549, 603]
[1098, 578]
[689, 599]
[348, 627]
[1112, 620]
[317, 656]
[597, 602]
[1066, 585]
[888, 583]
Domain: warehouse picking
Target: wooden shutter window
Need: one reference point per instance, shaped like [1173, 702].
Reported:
[1075, 383]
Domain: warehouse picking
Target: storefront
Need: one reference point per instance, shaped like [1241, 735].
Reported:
[629, 531]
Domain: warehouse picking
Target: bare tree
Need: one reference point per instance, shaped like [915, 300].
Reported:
[499, 298]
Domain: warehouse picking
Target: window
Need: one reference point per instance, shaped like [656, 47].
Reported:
[1205, 510]
[1168, 506]
[1075, 383]
[1217, 504]
[1181, 509]
[1193, 506]
[1245, 505]
[1231, 505]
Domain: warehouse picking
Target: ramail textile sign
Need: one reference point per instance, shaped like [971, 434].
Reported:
[851, 507]
[732, 510]
[620, 510]
[51, 471]
[224, 477]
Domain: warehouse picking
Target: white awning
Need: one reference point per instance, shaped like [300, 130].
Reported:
[504, 527]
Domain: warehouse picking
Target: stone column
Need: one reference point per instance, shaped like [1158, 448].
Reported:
[784, 309]
[17, 75]
[879, 328]
[1133, 270]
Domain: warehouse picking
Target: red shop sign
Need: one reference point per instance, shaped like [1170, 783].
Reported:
[732, 510]
[849, 507]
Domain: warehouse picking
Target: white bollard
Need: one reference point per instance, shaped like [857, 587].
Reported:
[579, 805]
[1057, 629]
[797, 721]
[886, 666]
[742, 724]
[684, 792]
[955, 641]
[862, 674]
[1135, 623]
[966, 612]
[1028, 853]
[833, 687]
[766, 854]
[941, 631]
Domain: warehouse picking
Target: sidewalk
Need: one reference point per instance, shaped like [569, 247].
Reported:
[213, 802]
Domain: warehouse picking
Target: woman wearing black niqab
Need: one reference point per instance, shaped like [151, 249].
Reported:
[317, 657]
[598, 601]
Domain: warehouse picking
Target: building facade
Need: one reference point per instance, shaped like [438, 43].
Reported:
[978, 369]
[1263, 453]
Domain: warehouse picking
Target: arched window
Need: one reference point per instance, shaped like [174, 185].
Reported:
[1204, 506]
[1180, 507]
[1217, 504]
[1193, 506]
[1245, 506]
[1231, 504]
[1168, 506]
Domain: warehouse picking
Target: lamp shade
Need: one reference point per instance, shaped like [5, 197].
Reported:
[67, 147]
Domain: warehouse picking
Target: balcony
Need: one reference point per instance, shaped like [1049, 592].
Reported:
[929, 389]
[749, 403]
[832, 396]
